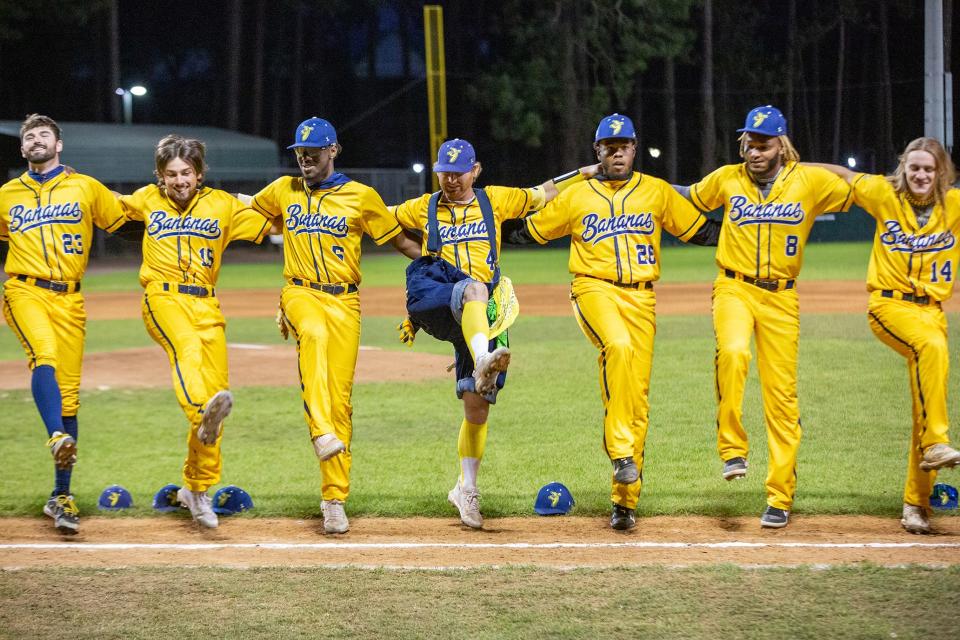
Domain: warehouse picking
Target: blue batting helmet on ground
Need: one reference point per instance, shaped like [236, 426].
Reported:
[115, 498]
[231, 499]
[553, 499]
[943, 497]
[166, 498]
[766, 120]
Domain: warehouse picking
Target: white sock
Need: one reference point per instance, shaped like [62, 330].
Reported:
[468, 472]
[478, 344]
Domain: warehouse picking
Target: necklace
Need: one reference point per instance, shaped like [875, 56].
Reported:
[919, 202]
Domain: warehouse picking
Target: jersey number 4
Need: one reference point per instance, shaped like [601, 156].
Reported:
[945, 272]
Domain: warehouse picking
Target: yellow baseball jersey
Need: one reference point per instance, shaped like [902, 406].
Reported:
[615, 227]
[186, 245]
[908, 258]
[764, 237]
[50, 225]
[464, 240]
[322, 228]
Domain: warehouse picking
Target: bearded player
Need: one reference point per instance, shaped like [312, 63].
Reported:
[615, 222]
[770, 203]
[187, 228]
[912, 270]
[47, 216]
[449, 291]
[324, 216]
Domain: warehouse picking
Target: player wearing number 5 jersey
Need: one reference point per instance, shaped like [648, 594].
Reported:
[324, 216]
[187, 228]
[615, 222]
[770, 203]
[47, 216]
[912, 270]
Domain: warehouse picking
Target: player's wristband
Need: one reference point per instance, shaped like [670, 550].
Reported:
[568, 179]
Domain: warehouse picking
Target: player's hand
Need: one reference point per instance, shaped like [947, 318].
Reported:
[68, 170]
[591, 170]
[282, 323]
[408, 332]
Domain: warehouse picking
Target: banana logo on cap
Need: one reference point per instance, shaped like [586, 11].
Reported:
[615, 126]
[305, 133]
[554, 498]
[114, 498]
[453, 153]
[758, 118]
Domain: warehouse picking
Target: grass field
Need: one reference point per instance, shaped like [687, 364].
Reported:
[855, 408]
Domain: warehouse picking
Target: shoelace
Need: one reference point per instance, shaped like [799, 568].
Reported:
[472, 500]
[68, 505]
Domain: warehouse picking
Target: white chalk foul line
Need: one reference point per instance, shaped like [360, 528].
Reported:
[285, 546]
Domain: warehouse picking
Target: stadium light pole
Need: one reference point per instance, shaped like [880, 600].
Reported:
[127, 95]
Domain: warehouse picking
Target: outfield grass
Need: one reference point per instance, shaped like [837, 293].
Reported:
[707, 603]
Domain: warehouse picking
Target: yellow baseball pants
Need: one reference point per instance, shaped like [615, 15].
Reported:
[621, 323]
[327, 329]
[742, 310]
[50, 327]
[191, 330]
[918, 333]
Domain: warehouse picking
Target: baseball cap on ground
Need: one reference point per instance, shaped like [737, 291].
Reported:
[943, 497]
[314, 132]
[115, 498]
[766, 120]
[553, 498]
[166, 498]
[455, 156]
[615, 126]
[231, 499]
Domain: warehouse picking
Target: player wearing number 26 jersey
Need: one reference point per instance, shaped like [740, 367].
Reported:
[47, 216]
[913, 266]
[187, 228]
[770, 203]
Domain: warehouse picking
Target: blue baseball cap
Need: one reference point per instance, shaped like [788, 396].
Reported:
[943, 497]
[553, 498]
[314, 132]
[766, 120]
[455, 156]
[166, 498]
[231, 499]
[615, 126]
[115, 498]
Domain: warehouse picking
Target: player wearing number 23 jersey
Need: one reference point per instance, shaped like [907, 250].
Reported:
[770, 203]
[913, 266]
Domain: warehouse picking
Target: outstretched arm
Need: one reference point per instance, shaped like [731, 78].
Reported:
[407, 243]
[554, 186]
[843, 172]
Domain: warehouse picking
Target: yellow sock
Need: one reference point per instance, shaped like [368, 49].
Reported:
[475, 327]
[470, 447]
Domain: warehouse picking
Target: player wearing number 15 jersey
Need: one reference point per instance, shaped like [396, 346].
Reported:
[187, 228]
[770, 203]
[47, 216]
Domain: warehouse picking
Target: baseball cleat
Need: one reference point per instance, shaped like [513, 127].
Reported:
[65, 514]
[735, 468]
[939, 456]
[217, 409]
[467, 502]
[774, 518]
[915, 519]
[200, 506]
[488, 367]
[622, 518]
[327, 446]
[334, 517]
[625, 471]
[63, 446]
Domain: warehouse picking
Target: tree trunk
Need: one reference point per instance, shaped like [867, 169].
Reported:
[570, 115]
[708, 159]
[638, 118]
[838, 112]
[258, 55]
[886, 118]
[234, 34]
[670, 109]
[791, 57]
[296, 80]
[815, 99]
[114, 45]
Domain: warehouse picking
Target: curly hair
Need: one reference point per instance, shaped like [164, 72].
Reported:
[189, 150]
[946, 173]
[787, 151]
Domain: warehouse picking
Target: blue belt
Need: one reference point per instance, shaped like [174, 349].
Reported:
[332, 289]
[52, 285]
[190, 289]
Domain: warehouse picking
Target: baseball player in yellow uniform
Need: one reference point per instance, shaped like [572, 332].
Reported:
[912, 270]
[770, 203]
[449, 291]
[615, 221]
[324, 215]
[187, 228]
[47, 216]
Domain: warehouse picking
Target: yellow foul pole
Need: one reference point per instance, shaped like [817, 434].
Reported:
[436, 80]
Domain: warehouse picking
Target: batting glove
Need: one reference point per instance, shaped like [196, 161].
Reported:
[408, 332]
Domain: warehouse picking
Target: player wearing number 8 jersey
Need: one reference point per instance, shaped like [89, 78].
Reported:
[47, 216]
[770, 203]
[615, 222]
[187, 228]
[912, 270]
